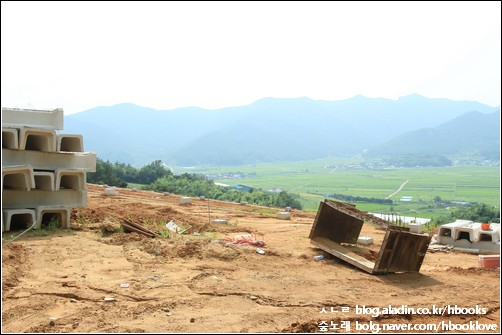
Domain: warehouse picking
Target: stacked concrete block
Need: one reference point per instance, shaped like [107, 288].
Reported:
[467, 234]
[43, 172]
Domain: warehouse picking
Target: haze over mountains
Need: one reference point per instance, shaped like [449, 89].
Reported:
[272, 130]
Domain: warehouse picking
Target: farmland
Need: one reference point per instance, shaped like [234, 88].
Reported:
[314, 180]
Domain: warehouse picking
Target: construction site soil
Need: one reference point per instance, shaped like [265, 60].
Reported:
[98, 278]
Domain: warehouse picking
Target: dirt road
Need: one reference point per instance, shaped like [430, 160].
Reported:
[95, 278]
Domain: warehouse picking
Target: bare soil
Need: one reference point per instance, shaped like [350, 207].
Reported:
[96, 278]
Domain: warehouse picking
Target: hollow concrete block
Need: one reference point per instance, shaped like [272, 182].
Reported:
[62, 213]
[10, 138]
[446, 234]
[22, 215]
[18, 177]
[44, 180]
[69, 143]
[70, 179]
[37, 139]
[463, 243]
[471, 231]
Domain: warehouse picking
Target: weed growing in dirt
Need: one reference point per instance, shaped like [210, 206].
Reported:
[83, 221]
[49, 228]
[164, 234]
[53, 224]
[6, 239]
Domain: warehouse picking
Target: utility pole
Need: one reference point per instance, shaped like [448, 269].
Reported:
[208, 208]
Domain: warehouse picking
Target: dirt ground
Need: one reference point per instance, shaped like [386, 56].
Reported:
[96, 278]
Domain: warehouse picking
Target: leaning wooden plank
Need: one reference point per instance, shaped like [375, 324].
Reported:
[343, 253]
[138, 227]
[128, 227]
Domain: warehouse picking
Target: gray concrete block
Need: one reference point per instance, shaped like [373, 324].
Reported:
[44, 180]
[447, 232]
[69, 143]
[50, 160]
[37, 139]
[284, 215]
[18, 177]
[21, 216]
[45, 213]
[70, 179]
[490, 247]
[10, 138]
[34, 198]
[462, 243]
[47, 119]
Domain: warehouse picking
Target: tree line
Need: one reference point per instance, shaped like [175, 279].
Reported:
[157, 177]
[475, 212]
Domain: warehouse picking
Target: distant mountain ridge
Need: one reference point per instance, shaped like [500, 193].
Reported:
[272, 130]
[472, 134]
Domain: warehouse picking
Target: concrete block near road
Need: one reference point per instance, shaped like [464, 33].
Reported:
[10, 138]
[20, 218]
[18, 177]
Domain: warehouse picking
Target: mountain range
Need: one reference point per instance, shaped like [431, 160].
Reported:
[273, 129]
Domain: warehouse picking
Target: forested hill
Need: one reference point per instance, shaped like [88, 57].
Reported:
[268, 130]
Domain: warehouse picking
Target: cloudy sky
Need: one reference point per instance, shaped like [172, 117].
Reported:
[164, 55]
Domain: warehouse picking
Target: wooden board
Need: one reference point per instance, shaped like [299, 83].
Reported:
[343, 253]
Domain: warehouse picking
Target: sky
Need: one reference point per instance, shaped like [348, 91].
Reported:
[165, 55]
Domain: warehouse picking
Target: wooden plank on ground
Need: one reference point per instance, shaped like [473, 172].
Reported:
[343, 253]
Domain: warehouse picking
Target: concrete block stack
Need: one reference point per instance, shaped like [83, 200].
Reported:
[466, 234]
[43, 172]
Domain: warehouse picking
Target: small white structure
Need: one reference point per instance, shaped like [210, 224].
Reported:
[110, 191]
[220, 221]
[365, 240]
[416, 228]
[172, 226]
[284, 215]
[469, 235]
[185, 201]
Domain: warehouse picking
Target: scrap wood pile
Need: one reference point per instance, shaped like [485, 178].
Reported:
[137, 228]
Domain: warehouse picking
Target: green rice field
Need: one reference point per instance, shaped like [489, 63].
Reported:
[314, 180]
